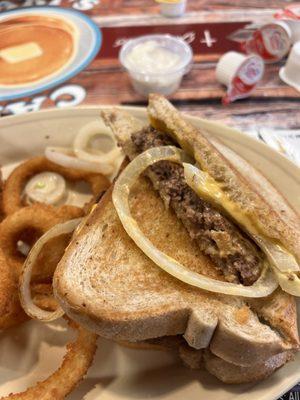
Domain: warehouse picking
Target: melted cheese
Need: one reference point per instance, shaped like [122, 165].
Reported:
[213, 192]
[205, 186]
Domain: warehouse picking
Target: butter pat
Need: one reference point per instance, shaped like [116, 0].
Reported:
[22, 52]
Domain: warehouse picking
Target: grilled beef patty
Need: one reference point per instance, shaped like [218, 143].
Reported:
[233, 253]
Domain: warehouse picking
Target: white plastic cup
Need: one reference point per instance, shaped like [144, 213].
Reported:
[271, 41]
[166, 82]
[240, 73]
[173, 9]
[290, 73]
[295, 29]
[228, 66]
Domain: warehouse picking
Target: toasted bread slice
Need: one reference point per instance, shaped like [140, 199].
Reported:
[242, 189]
[205, 359]
[230, 373]
[105, 282]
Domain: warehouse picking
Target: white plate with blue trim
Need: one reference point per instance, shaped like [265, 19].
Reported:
[87, 45]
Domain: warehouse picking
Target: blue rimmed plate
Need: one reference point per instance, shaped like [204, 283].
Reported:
[88, 44]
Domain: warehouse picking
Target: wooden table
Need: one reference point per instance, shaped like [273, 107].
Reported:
[273, 105]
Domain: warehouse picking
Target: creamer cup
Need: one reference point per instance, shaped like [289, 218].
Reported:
[290, 73]
[295, 29]
[240, 74]
[272, 41]
[290, 12]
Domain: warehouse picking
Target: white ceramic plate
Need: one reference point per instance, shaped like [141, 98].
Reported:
[89, 40]
[34, 350]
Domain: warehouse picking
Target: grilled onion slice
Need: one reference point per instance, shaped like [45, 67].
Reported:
[264, 286]
[25, 294]
[66, 158]
[89, 132]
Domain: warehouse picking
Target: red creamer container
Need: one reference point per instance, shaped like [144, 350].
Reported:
[240, 73]
[271, 42]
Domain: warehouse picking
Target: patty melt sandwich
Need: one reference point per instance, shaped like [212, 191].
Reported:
[191, 250]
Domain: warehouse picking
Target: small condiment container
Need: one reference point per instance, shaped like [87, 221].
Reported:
[156, 63]
[290, 73]
[271, 41]
[240, 74]
[290, 15]
[172, 8]
[295, 28]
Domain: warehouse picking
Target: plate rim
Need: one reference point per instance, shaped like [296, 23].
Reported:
[97, 32]
[268, 152]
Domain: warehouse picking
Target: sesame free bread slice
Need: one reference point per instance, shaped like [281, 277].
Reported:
[106, 283]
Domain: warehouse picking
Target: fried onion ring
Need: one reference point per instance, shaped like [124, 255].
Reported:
[29, 222]
[14, 186]
[11, 312]
[69, 212]
[77, 360]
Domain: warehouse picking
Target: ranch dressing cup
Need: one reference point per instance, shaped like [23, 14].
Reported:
[172, 8]
[272, 41]
[156, 63]
[240, 74]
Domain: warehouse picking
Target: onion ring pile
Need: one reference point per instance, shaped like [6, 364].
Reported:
[14, 185]
[27, 222]
[77, 360]
[20, 223]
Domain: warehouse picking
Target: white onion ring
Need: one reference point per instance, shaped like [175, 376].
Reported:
[25, 294]
[85, 134]
[65, 158]
[264, 286]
